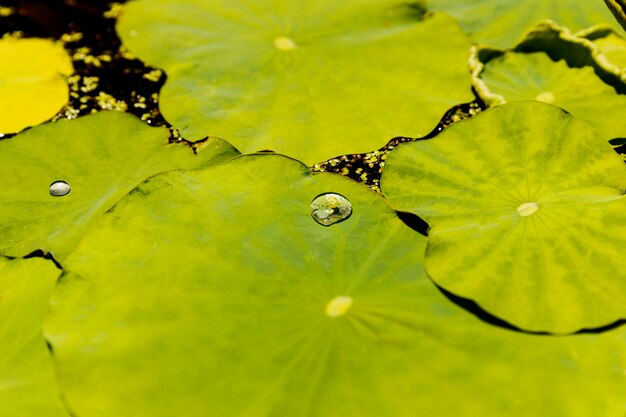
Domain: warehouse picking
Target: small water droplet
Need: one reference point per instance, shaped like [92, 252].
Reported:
[338, 306]
[59, 189]
[284, 43]
[330, 208]
[527, 209]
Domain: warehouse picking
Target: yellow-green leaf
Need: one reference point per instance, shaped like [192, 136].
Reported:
[527, 215]
[32, 82]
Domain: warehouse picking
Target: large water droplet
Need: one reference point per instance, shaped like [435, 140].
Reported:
[330, 208]
[59, 189]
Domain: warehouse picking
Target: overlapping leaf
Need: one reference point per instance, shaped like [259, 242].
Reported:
[527, 215]
[503, 23]
[310, 80]
[32, 83]
[518, 76]
[228, 299]
[28, 385]
[102, 157]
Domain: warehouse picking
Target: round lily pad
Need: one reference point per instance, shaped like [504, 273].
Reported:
[99, 157]
[534, 76]
[502, 23]
[527, 215]
[28, 385]
[32, 83]
[313, 82]
[228, 298]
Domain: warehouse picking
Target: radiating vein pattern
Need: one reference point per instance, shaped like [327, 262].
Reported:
[527, 215]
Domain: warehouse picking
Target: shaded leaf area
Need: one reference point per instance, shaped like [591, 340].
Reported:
[502, 23]
[311, 82]
[28, 386]
[32, 84]
[512, 225]
[326, 321]
[100, 157]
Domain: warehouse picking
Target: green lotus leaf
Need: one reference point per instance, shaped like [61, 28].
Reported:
[526, 213]
[32, 84]
[28, 386]
[504, 22]
[614, 48]
[97, 159]
[315, 81]
[228, 298]
[611, 44]
[579, 49]
[534, 76]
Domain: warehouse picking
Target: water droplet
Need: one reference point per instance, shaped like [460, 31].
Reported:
[527, 209]
[59, 189]
[330, 208]
[338, 306]
[284, 43]
[546, 97]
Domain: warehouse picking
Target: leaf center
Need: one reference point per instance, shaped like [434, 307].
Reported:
[338, 306]
[284, 43]
[527, 209]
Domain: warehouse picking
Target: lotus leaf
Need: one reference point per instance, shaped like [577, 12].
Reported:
[310, 80]
[578, 50]
[613, 47]
[28, 386]
[32, 83]
[229, 299]
[101, 157]
[504, 22]
[527, 215]
[534, 76]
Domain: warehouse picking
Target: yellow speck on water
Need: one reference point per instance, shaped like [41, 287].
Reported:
[527, 209]
[546, 97]
[153, 75]
[338, 306]
[114, 11]
[284, 43]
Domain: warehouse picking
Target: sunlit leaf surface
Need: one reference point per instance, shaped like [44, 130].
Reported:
[518, 76]
[527, 215]
[228, 298]
[32, 83]
[58, 178]
[28, 385]
[312, 80]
